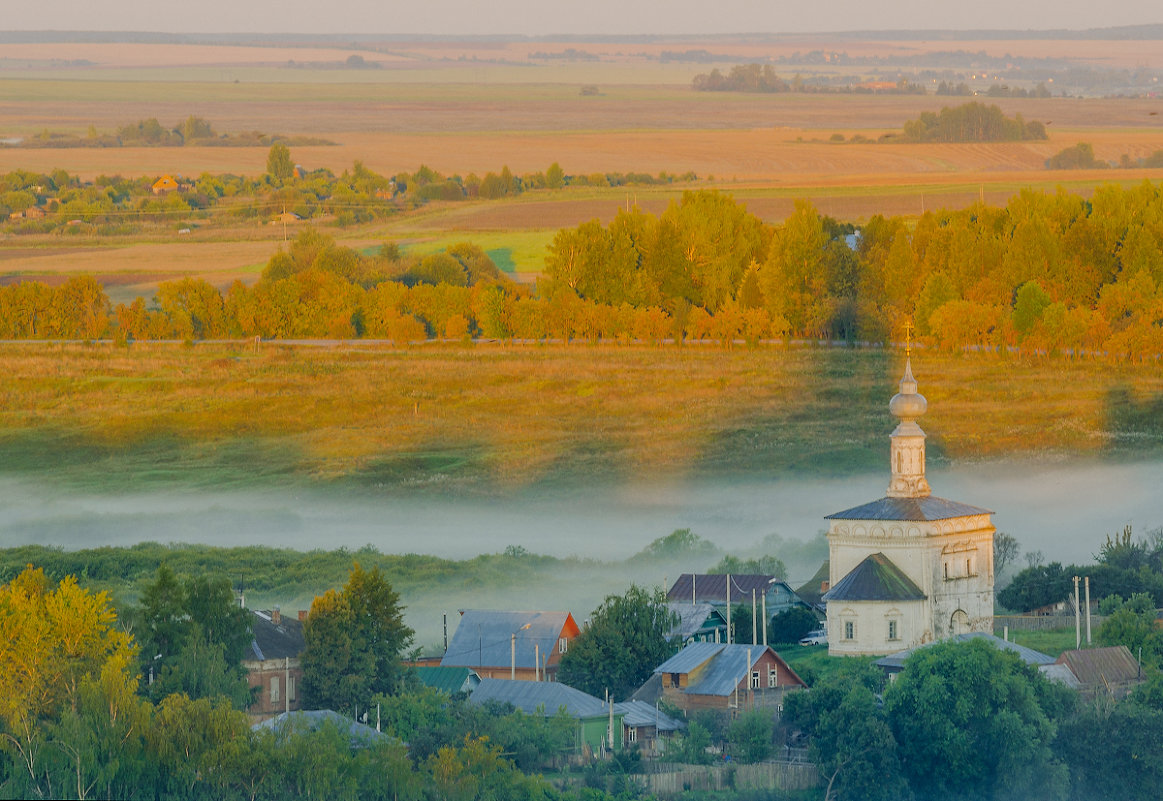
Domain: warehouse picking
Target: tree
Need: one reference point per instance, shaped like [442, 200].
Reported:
[850, 737]
[54, 639]
[1132, 623]
[750, 735]
[1005, 551]
[554, 176]
[974, 722]
[352, 641]
[279, 164]
[790, 626]
[624, 642]
[194, 637]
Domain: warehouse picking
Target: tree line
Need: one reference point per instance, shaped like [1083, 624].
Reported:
[1047, 274]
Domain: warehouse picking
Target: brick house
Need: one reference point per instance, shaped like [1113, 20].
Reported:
[707, 675]
[272, 663]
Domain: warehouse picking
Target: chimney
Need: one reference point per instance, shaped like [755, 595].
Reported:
[302, 615]
[276, 616]
[823, 587]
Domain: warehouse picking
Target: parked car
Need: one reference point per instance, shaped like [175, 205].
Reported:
[817, 637]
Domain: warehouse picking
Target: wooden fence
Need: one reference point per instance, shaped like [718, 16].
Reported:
[669, 781]
[1043, 622]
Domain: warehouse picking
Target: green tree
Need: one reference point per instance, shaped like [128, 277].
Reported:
[279, 164]
[850, 737]
[352, 643]
[624, 641]
[792, 625]
[554, 176]
[1132, 623]
[750, 735]
[974, 722]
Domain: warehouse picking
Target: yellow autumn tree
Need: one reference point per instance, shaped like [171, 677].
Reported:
[51, 640]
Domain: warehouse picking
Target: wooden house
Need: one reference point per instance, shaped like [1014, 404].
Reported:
[504, 645]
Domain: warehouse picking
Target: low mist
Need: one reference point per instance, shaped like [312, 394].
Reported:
[1062, 510]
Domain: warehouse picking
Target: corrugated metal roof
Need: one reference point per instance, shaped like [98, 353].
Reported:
[690, 657]
[639, 713]
[484, 638]
[1060, 674]
[876, 578]
[894, 662]
[931, 508]
[272, 641]
[309, 720]
[447, 679]
[724, 672]
[712, 587]
[722, 666]
[540, 697]
[1098, 667]
[691, 618]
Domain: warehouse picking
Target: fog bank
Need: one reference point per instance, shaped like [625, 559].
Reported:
[1063, 510]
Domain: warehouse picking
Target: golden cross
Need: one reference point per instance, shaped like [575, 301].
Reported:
[908, 339]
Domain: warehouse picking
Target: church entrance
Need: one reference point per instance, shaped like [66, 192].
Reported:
[960, 622]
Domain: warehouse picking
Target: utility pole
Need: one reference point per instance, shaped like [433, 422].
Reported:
[1088, 610]
[765, 618]
[754, 618]
[728, 609]
[1077, 616]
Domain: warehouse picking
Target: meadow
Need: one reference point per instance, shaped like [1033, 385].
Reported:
[496, 419]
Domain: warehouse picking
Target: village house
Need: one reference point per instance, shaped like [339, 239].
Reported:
[601, 726]
[1103, 672]
[165, 185]
[893, 664]
[701, 622]
[708, 675]
[511, 645]
[766, 595]
[272, 663]
[448, 680]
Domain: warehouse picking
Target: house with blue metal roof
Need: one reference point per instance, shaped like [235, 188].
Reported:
[510, 645]
[630, 722]
[909, 568]
[707, 675]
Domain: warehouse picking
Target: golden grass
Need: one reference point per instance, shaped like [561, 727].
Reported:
[491, 418]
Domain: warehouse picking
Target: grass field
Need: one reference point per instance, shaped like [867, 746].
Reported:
[493, 419]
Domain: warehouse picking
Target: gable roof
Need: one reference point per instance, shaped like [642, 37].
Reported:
[692, 618]
[275, 641]
[720, 667]
[485, 638]
[911, 509]
[712, 587]
[876, 578]
[639, 713]
[358, 734]
[895, 662]
[449, 680]
[811, 590]
[540, 697]
[1102, 667]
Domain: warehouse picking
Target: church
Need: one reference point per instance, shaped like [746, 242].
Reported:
[909, 568]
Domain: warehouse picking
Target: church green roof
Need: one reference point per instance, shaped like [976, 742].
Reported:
[875, 579]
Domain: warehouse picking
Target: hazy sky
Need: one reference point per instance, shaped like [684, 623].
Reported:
[546, 17]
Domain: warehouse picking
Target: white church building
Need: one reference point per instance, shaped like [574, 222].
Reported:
[909, 568]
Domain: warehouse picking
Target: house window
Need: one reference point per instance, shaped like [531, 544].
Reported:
[562, 645]
[893, 630]
[849, 629]
[631, 734]
[772, 677]
[755, 679]
[274, 689]
[290, 688]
